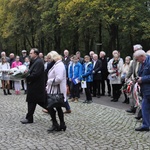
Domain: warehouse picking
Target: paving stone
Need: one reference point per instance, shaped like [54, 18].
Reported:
[89, 127]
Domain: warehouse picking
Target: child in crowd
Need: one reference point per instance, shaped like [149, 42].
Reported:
[26, 63]
[4, 68]
[17, 85]
[75, 72]
[87, 77]
[125, 69]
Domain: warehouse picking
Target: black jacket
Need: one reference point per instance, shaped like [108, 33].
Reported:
[36, 82]
[97, 70]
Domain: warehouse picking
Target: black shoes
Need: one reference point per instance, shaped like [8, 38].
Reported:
[53, 128]
[132, 110]
[141, 129]
[56, 127]
[9, 93]
[126, 101]
[26, 121]
[114, 100]
[98, 96]
[62, 127]
[138, 118]
[88, 101]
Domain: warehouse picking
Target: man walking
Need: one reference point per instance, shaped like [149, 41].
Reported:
[35, 85]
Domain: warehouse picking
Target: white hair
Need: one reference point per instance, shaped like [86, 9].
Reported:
[137, 47]
[102, 52]
[91, 52]
[95, 55]
[115, 52]
[66, 51]
[139, 53]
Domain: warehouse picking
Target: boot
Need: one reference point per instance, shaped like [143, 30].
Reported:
[125, 101]
[8, 92]
[55, 127]
[128, 101]
[4, 92]
[62, 126]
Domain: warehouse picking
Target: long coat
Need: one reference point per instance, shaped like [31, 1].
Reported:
[57, 72]
[117, 79]
[35, 82]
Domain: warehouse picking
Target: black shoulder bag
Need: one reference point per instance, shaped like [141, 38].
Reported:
[55, 99]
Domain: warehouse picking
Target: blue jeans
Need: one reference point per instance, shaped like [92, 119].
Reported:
[146, 111]
[67, 106]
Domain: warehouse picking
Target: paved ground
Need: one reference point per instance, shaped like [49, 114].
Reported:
[89, 127]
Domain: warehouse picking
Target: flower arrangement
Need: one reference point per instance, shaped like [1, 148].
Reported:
[19, 73]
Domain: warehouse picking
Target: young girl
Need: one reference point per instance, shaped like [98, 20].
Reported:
[125, 69]
[17, 85]
[4, 68]
[26, 63]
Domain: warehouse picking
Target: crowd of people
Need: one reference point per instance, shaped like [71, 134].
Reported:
[93, 73]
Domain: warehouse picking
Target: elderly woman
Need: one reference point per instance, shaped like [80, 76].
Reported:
[114, 68]
[57, 74]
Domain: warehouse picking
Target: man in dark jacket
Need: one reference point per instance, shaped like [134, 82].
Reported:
[144, 81]
[35, 85]
[96, 75]
[104, 73]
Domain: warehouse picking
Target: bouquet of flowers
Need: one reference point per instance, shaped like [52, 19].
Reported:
[19, 73]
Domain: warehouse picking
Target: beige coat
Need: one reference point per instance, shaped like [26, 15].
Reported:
[57, 72]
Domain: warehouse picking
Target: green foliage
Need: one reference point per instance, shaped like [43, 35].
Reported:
[74, 24]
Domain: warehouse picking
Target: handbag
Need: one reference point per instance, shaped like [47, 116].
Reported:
[55, 99]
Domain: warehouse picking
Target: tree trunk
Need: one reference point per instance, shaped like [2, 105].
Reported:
[113, 36]
[75, 45]
[87, 40]
[100, 35]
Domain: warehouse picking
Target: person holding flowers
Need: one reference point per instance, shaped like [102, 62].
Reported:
[17, 85]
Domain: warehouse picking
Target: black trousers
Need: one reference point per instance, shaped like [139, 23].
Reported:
[116, 91]
[31, 109]
[96, 87]
[75, 93]
[88, 92]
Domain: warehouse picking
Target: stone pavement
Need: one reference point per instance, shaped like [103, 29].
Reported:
[89, 127]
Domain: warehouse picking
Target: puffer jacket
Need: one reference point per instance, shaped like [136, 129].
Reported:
[87, 72]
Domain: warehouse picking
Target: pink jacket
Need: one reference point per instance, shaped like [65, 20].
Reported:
[16, 64]
[57, 72]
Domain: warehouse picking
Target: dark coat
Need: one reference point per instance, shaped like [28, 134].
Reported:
[104, 68]
[35, 82]
[144, 72]
[66, 63]
[97, 70]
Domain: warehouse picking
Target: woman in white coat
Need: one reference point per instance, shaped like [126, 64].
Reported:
[114, 68]
[58, 73]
